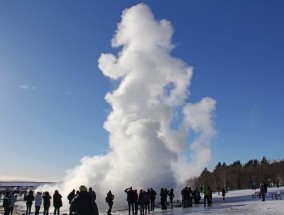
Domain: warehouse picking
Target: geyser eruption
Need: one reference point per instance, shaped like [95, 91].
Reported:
[150, 121]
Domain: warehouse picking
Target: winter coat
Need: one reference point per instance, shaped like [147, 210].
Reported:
[141, 198]
[29, 199]
[57, 200]
[71, 195]
[6, 201]
[38, 200]
[13, 201]
[109, 198]
[153, 194]
[130, 195]
[82, 204]
[205, 191]
[223, 192]
[46, 201]
[93, 195]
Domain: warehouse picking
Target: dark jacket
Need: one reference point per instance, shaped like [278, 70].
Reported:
[93, 195]
[29, 199]
[46, 200]
[82, 204]
[6, 201]
[130, 195]
[71, 195]
[57, 200]
[109, 198]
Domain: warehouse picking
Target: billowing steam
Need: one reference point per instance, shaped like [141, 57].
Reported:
[150, 121]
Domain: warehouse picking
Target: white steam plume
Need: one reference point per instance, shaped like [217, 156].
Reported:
[147, 149]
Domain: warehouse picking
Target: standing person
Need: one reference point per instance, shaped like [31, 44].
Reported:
[171, 195]
[130, 199]
[185, 197]
[12, 203]
[141, 201]
[166, 193]
[136, 201]
[277, 183]
[223, 193]
[109, 200]
[29, 202]
[6, 203]
[162, 195]
[57, 202]
[92, 194]
[196, 196]
[263, 191]
[147, 201]
[38, 201]
[82, 204]
[210, 196]
[46, 203]
[70, 196]
[153, 197]
[190, 197]
[205, 190]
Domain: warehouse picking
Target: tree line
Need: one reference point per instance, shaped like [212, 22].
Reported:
[241, 176]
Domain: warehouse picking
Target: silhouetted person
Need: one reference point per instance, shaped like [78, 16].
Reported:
[109, 200]
[92, 194]
[82, 204]
[29, 202]
[136, 201]
[186, 197]
[6, 203]
[196, 196]
[171, 195]
[153, 197]
[163, 194]
[223, 193]
[57, 202]
[46, 203]
[70, 196]
[263, 191]
[147, 200]
[130, 199]
[190, 197]
[141, 201]
[210, 195]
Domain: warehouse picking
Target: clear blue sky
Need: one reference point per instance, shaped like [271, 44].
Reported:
[52, 106]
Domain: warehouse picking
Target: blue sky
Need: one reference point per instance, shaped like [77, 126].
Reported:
[52, 92]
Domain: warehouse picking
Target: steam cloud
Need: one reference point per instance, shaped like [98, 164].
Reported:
[150, 122]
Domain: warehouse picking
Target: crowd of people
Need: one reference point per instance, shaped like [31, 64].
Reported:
[9, 201]
[83, 202]
[38, 199]
[190, 196]
[145, 200]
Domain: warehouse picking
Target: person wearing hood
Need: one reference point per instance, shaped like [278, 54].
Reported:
[83, 204]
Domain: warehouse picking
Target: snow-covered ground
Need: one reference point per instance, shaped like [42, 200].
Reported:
[236, 202]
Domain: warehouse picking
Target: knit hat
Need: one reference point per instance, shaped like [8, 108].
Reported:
[82, 188]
